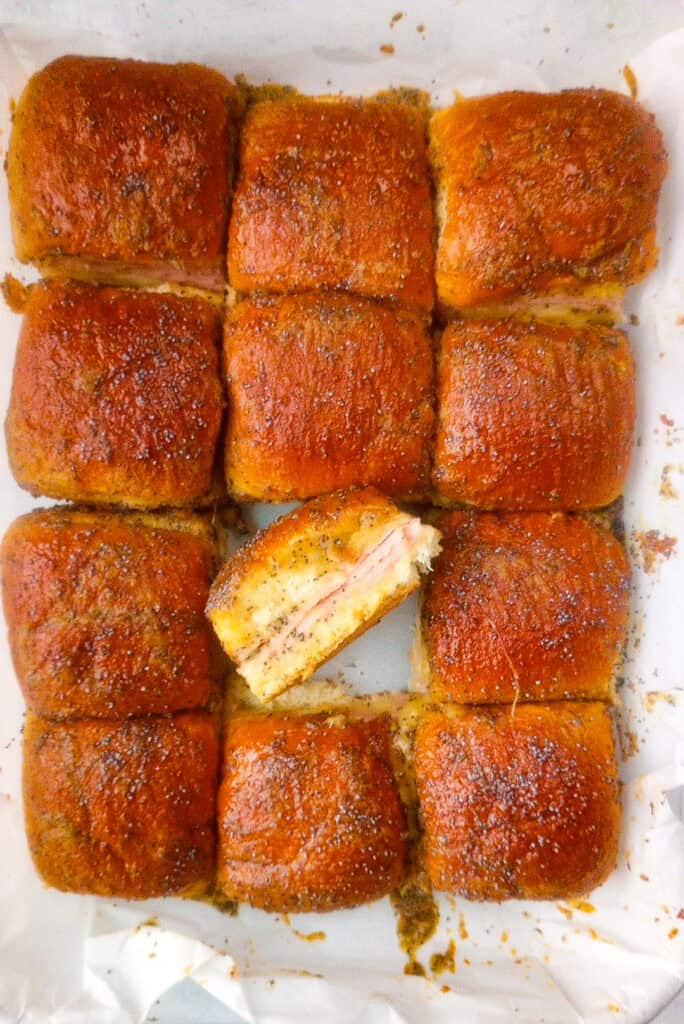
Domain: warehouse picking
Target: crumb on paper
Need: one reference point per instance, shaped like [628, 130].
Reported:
[309, 936]
[504, 936]
[634, 320]
[445, 988]
[644, 878]
[387, 48]
[666, 420]
[446, 961]
[679, 321]
[667, 488]
[565, 911]
[673, 933]
[420, 28]
[651, 548]
[631, 80]
[583, 906]
[395, 18]
[462, 930]
[655, 697]
[613, 1007]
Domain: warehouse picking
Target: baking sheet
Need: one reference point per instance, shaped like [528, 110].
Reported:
[72, 960]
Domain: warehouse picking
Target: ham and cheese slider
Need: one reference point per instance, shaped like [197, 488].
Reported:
[306, 586]
[327, 391]
[105, 612]
[518, 804]
[116, 396]
[309, 811]
[533, 415]
[545, 201]
[523, 606]
[120, 171]
[334, 193]
[123, 809]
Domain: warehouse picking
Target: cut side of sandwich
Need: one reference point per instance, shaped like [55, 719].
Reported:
[302, 589]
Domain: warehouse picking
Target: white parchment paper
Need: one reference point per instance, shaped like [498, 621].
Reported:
[77, 960]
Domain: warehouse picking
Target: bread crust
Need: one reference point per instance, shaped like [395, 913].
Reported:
[116, 396]
[533, 415]
[327, 391]
[519, 805]
[334, 193]
[122, 809]
[105, 612]
[544, 192]
[524, 606]
[123, 168]
[310, 816]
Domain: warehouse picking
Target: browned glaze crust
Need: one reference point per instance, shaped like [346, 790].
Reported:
[521, 805]
[116, 396]
[544, 192]
[105, 612]
[334, 193]
[533, 415]
[125, 809]
[327, 391]
[309, 813]
[524, 605]
[124, 161]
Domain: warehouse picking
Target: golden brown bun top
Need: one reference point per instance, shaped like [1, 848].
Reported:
[519, 804]
[544, 188]
[334, 193]
[122, 809]
[294, 552]
[106, 612]
[116, 396]
[326, 391]
[529, 605]
[121, 159]
[309, 813]
[533, 415]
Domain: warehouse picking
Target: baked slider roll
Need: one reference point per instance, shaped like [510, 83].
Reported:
[533, 415]
[309, 813]
[334, 193]
[547, 196]
[120, 171]
[105, 612]
[116, 396]
[313, 581]
[527, 606]
[521, 805]
[122, 809]
[327, 391]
